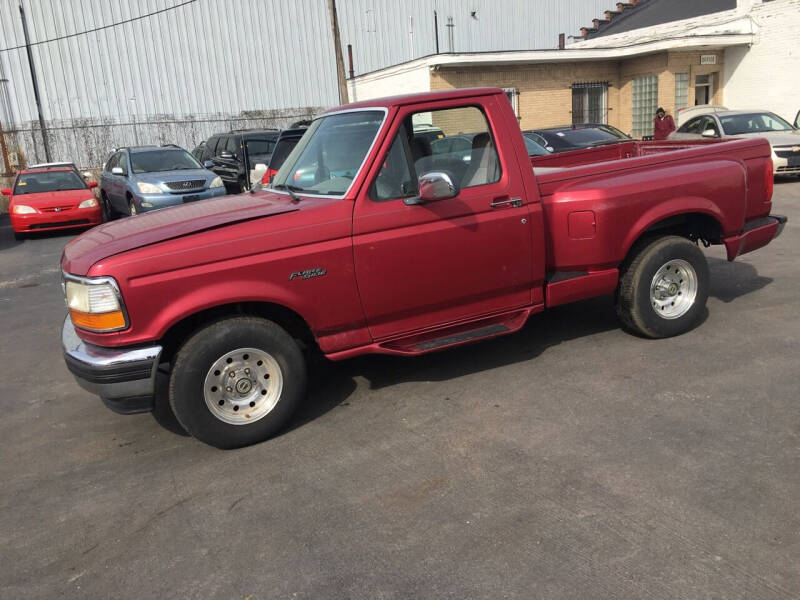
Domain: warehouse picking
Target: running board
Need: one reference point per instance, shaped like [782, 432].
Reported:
[456, 334]
[466, 336]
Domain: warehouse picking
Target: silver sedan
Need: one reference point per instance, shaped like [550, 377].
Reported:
[784, 138]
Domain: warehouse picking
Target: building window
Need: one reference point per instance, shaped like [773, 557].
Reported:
[589, 102]
[645, 103]
[681, 91]
[513, 97]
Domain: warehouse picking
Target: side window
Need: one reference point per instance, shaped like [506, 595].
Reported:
[231, 145]
[711, 123]
[211, 146]
[693, 126]
[123, 162]
[411, 155]
[395, 179]
[112, 161]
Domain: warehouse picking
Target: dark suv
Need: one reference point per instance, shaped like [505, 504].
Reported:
[234, 155]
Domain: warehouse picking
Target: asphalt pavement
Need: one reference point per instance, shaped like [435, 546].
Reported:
[571, 460]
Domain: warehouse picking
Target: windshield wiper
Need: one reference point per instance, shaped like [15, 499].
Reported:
[291, 189]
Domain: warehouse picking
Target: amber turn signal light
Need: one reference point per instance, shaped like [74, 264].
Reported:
[98, 322]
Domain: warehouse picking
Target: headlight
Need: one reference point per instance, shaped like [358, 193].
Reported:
[148, 188]
[95, 304]
[21, 209]
[216, 182]
[88, 203]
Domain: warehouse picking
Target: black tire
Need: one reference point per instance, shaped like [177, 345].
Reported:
[105, 207]
[131, 207]
[19, 236]
[643, 303]
[193, 364]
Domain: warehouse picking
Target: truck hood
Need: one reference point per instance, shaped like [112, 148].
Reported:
[156, 226]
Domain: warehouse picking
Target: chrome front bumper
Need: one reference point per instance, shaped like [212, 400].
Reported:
[125, 378]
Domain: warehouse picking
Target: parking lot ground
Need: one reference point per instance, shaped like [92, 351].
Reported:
[571, 460]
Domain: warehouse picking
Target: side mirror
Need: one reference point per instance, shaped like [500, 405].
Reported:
[117, 171]
[91, 184]
[6, 191]
[209, 164]
[436, 185]
[709, 133]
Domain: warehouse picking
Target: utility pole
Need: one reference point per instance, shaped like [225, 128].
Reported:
[337, 43]
[35, 83]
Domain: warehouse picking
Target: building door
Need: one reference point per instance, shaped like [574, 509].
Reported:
[703, 89]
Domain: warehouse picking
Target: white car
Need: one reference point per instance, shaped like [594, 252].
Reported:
[684, 114]
[783, 137]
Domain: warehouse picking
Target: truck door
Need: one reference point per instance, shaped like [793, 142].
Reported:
[423, 265]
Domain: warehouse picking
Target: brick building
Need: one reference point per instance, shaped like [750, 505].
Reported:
[624, 67]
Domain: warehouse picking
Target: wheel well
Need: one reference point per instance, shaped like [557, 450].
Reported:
[693, 226]
[292, 322]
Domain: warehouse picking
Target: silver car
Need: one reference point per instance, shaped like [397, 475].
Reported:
[784, 138]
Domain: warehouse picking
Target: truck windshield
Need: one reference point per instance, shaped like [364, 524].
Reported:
[330, 154]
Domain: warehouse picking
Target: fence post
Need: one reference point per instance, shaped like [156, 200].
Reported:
[35, 84]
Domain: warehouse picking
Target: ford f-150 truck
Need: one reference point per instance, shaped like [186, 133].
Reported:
[370, 242]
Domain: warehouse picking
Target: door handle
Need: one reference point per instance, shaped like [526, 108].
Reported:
[506, 201]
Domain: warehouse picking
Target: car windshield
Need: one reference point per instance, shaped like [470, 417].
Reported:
[583, 137]
[48, 181]
[163, 160]
[753, 123]
[533, 148]
[330, 154]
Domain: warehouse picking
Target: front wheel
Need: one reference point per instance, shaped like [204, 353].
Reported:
[237, 382]
[664, 289]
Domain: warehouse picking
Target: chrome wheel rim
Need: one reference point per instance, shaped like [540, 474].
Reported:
[243, 386]
[132, 207]
[673, 289]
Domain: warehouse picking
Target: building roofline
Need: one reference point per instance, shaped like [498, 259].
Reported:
[589, 53]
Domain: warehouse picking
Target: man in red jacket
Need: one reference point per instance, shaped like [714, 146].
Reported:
[663, 125]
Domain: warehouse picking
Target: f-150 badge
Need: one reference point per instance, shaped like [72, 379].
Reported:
[308, 273]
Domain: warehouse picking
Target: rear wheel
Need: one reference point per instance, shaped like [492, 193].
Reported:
[664, 289]
[237, 382]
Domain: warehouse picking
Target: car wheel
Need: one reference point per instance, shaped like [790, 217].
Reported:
[105, 207]
[19, 236]
[237, 382]
[664, 289]
[131, 207]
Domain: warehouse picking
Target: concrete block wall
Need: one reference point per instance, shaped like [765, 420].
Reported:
[765, 75]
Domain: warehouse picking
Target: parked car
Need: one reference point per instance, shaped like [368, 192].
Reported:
[287, 140]
[784, 138]
[394, 259]
[143, 178]
[51, 197]
[576, 137]
[234, 155]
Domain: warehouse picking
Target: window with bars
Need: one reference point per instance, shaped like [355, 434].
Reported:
[589, 102]
[681, 91]
[645, 103]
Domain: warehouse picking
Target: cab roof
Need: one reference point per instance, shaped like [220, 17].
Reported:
[394, 101]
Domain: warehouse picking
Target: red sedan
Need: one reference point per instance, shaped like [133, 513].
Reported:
[51, 198]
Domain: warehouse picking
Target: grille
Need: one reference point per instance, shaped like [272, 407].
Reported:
[59, 224]
[787, 153]
[792, 170]
[56, 208]
[183, 186]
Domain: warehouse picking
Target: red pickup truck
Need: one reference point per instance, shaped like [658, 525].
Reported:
[369, 241]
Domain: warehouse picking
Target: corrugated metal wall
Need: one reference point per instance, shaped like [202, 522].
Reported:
[158, 71]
